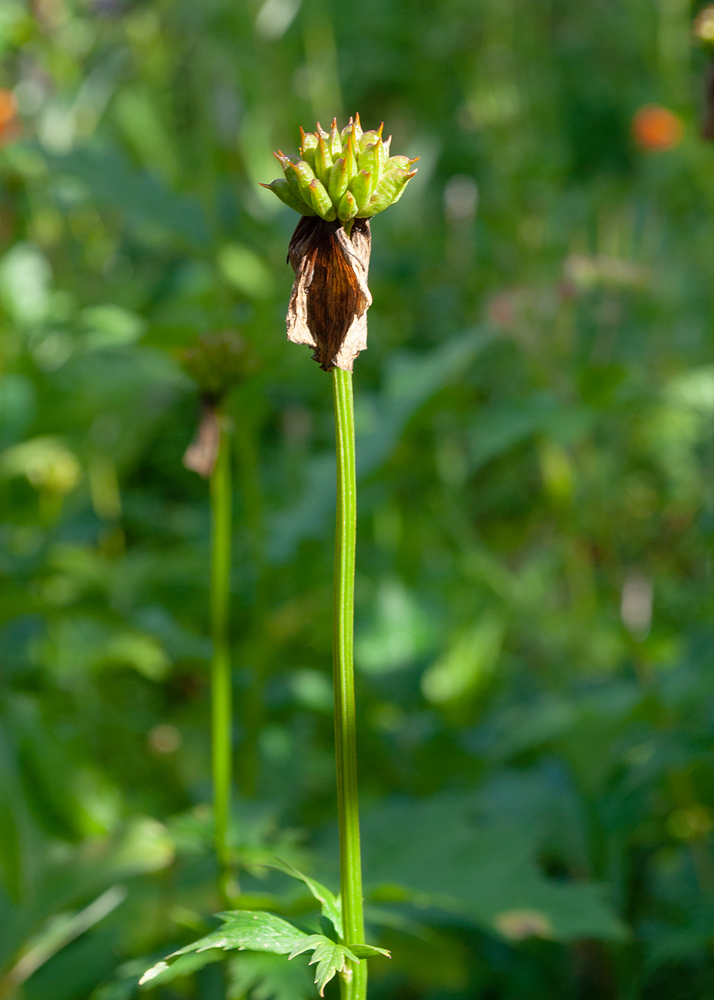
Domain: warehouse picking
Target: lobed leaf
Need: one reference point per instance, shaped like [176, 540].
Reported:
[243, 930]
[328, 957]
[186, 965]
[330, 904]
[369, 951]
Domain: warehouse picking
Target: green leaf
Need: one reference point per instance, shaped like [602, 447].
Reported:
[268, 977]
[498, 428]
[60, 931]
[328, 957]
[369, 951]
[25, 284]
[459, 860]
[66, 883]
[331, 905]
[241, 930]
[465, 668]
[186, 965]
[247, 271]
[110, 325]
[144, 198]
[411, 381]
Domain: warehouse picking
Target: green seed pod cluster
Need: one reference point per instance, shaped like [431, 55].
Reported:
[343, 175]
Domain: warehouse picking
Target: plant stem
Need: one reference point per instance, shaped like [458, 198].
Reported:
[221, 686]
[258, 647]
[354, 987]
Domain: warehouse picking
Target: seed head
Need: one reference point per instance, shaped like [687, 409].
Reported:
[342, 175]
[337, 183]
[217, 362]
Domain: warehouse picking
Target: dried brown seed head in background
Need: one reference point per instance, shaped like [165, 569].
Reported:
[217, 362]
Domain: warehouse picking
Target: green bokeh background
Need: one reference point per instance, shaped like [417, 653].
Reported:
[534, 589]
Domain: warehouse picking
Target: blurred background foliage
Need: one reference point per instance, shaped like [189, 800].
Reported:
[534, 620]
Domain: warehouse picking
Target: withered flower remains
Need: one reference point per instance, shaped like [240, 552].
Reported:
[216, 362]
[339, 181]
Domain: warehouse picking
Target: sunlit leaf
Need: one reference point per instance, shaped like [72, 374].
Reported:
[242, 930]
[328, 958]
[331, 905]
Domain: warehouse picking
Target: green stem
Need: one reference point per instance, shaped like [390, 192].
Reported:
[221, 686]
[354, 987]
[258, 646]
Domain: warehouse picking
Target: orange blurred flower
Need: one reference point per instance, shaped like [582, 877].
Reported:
[9, 122]
[656, 128]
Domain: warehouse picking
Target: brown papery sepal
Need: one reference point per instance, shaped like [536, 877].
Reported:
[201, 454]
[330, 297]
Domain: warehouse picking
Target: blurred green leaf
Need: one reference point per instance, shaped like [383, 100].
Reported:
[25, 283]
[59, 932]
[142, 198]
[409, 383]
[17, 407]
[268, 977]
[246, 271]
[110, 326]
[467, 665]
[146, 132]
[485, 872]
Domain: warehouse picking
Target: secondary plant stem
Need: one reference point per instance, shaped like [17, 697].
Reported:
[221, 687]
[258, 645]
[353, 987]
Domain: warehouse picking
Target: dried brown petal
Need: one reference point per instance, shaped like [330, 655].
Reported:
[329, 301]
[201, 454]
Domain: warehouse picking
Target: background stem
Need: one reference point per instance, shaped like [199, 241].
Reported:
[354, 988]
[221, 686]
[258, 648]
